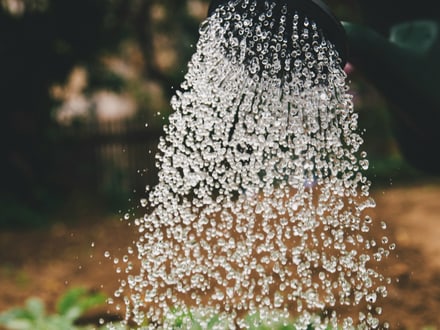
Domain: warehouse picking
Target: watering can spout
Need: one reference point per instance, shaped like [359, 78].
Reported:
[405, 68]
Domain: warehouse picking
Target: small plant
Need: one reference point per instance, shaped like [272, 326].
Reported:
[187, 320]
[33, 316]
[193, 320]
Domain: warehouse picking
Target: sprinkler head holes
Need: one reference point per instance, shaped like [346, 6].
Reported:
[314, 10]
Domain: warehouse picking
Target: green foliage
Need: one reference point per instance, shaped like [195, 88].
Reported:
[193, 321]
[188, 320]
[77, 301]
[33, 316]
[254, 323]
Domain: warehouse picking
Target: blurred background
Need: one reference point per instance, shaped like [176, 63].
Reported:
[85, 87]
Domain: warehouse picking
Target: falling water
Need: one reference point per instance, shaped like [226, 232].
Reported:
[261, 210]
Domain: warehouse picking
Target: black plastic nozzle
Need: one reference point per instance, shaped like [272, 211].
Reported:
[314, 10]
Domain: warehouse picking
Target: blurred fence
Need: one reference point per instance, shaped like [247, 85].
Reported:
[115, 160]
[112, 158]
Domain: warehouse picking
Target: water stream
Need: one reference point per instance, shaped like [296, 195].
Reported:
[261, 214]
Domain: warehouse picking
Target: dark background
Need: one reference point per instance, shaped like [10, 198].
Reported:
[79, 81]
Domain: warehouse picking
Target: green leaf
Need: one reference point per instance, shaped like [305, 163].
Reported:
[16, 313]
[19, 324]
[73, 313]
[36, 308]
[287, 327]
[77, 301]
[69, 300]
[215, 320]
[33, 316]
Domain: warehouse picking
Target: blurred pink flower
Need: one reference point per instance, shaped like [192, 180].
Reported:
[349, 68]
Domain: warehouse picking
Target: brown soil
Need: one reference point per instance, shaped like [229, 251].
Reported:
[45, 263]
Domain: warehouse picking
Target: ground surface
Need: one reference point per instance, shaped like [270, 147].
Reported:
[45, 263]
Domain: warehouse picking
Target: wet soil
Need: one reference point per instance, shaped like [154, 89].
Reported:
[46, 262]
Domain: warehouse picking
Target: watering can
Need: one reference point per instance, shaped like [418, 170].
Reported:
[398, 50]
[404, 67]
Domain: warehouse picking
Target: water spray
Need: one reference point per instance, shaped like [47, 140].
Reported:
[261, 213]
[314, 10]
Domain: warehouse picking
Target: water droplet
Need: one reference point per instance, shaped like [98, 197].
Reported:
[260, 165]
